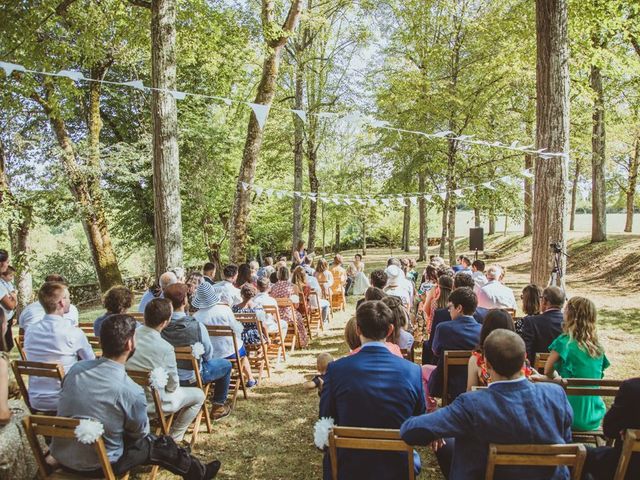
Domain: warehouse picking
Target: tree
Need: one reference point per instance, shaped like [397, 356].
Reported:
[275, 38]
[552, 133]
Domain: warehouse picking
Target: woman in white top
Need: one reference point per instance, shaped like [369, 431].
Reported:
[214, 308]
[324, 276]
[360, 281]
[263, 298]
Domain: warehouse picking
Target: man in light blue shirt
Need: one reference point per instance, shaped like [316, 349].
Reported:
[101, 390]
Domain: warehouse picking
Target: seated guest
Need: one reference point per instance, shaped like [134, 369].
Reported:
[209, 272]
[624, 413]
[244, 275]
[458, 266]
[511, 410]
[324, 277]
[400, 323]
[477, 273]
[152, 351]
[101, 390]
[395, 286]
[314, 286]
[255, 266]
[8, 292]
[378, 279]
[538, 331]
[461, 333]
[53, 340]
[267, 269]
[251, 333]
[301, 288]
[477, 372]
[185, 330]
[262, 299]
[155, 291]
[577, 353]
[5, 412]
[215, 310]
[465, 265]
[339, 276]
[402, 282]
[116, 300]
[373, 389]
[283, 288]
[34, 312]
[372, 293]
[531, 298]
[494, 294]
[438, 313]
[230, 276]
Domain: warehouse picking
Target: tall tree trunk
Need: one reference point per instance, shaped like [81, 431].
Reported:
[324, 230]
[492, 222]
[21, 254]
[166, 165]
[443, 235]
[528, 197]
[574, 197]
[84, 182]
[314, 185]
[552, 133]
[477, 221]
[598, 147]
[631, 187]
[364, 235]
[298, 152]
[423, 240]
[451, 226]
[253, 143]
[406, 228]
[336, 246]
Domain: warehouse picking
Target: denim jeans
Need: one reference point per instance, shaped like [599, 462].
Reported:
[217, 370]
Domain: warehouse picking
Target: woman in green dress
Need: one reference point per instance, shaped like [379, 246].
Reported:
[578, 354]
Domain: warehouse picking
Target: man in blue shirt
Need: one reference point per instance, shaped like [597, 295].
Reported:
[511, 411]
[101, 390]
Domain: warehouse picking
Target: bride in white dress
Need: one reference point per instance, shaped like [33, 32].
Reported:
[360, 282]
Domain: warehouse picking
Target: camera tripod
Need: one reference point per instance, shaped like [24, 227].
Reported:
[556, 279]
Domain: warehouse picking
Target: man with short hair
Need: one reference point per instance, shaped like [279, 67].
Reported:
[494, 294]
[539, 331]
[53, 340]
[34, 312]
[185, 330]
[152, 351]
[267, 269]
[373, 389]
[465, 265]
[378, 279]
[230, 275]
[166, 279]
[477, 273]
[461, 333]
[101, 390]
[458, 266]
[209, 272]
[511, 410]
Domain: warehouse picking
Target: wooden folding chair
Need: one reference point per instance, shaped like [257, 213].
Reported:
[590, 387]
[257, 354]
[61, 427]
[307, 319]
[512, 312]
[163, 420]
[276, 346]
[315, 312]
[380, 439]
[95, 345]
[86, 327]
[571, 455]
[452, 358]
[409, 354]
[338, 300]
[34, 369]
[237, 377]
[19, 342]
[292, 338]
[540, 361]
[137, 316]
[185, 354]
[630, 445]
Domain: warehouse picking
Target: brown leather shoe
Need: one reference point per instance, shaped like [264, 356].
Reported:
[220, 411]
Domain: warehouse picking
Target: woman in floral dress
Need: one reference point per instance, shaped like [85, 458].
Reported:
[283, 288]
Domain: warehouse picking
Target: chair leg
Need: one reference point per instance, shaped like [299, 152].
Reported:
[154, 472]
[196, 428]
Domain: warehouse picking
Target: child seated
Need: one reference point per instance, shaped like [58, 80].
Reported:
[323, 361]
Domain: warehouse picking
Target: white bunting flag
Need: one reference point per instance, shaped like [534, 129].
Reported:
[336, 200]
[443, 195]
[527, 173]
[279, 194]
[302, 114]
[360, 201]
[347, 201]
[313, 199]
[373, 202]
[178, 95]
[401, 201]
[72, 74]
[269, 192]
[259, 191]
[413, 200]
[442, 134]
[458, 191]
[137, 84]
[261, 112]
[245, 186]
[488, 185]
[427, 198]
[9, 68]
[297, 194]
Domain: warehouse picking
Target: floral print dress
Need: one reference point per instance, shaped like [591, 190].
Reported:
[283, 289]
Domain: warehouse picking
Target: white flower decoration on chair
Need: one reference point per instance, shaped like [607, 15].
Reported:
[197, 349]
[321, 432]
[158, 378]
[88, 431]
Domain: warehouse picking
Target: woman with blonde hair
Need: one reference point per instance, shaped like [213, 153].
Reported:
[325, 277]
[577, 353]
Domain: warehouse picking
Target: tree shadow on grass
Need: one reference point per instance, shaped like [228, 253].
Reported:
[627, 319]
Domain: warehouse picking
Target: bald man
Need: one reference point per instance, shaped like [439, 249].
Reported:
[511, 410]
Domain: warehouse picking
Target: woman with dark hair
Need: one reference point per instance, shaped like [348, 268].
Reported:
[117, 299]
[8, 299]
[244, 275]
[399, 336]
[477, 373]
[250, 334]
[298, 254]
[531, 296]
[299, 280]
[283, 288]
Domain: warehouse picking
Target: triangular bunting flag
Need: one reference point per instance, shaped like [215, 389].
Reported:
[259, 191]
[488, 185]
[302, 114]
[178, 95]
[136, 84]
[527, 173]
[413, 200]
[261, 112]
[442, 134]
[347, 200]
[72, 74]
[443, 195]
[245, 185]
[9, 68]
[269, 192]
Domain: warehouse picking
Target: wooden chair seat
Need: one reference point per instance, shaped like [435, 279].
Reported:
[256, 353]
[292, 338]
[570, 455]
[277, 348]
[315, 313]
[452, 358]
[237, 377]
[540, 361]
[34, 369]
[380, 439]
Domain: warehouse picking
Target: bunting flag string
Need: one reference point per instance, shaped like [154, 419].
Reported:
[261, 112]
[402, 199]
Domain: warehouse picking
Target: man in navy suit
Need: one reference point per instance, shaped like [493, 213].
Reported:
[461, 333]
[624, 413]
[374, 389]
[539, 331]
[511, 410]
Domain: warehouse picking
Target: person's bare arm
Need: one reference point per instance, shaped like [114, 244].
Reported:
[549, 369]
[472, 373]
[5, 413]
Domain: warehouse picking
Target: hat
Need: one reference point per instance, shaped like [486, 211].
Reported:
[205, 296]
[393, 273]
